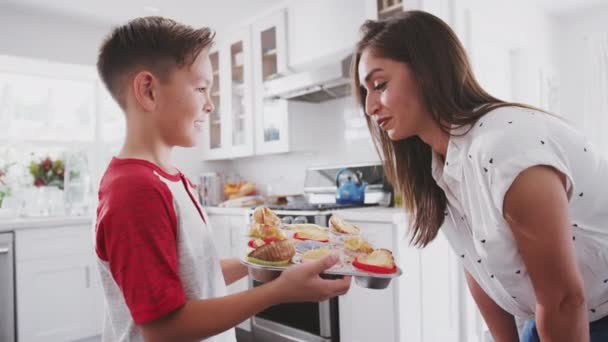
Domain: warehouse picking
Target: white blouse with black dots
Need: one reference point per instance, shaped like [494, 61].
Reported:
[479, 168]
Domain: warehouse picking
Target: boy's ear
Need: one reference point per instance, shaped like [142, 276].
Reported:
[144, 88]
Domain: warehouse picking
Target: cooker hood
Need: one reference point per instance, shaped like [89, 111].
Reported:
[326, 82]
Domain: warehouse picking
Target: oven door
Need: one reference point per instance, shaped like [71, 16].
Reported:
[297, 322]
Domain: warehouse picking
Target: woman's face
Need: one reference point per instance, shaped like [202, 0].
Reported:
[393, 100]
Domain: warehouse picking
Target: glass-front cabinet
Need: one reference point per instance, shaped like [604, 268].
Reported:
[214, 145]
[240, 107]
[229, 131]
[270, 62]
[382, 9]
[243, 123]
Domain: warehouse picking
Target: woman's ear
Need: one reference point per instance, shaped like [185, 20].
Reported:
[144, 90]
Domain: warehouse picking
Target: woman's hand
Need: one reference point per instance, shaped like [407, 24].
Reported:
[536, 208]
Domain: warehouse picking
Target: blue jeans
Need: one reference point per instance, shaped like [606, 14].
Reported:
[597, 329]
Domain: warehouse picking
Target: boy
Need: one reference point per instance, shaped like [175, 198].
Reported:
[162, 278]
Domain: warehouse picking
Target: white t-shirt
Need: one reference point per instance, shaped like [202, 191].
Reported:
[155, 248]
[479, 168]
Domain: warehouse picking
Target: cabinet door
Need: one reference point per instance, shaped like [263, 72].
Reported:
[215, 129]
[239, 92]
[270, 46]
[360, 304]
[441, 285]
[270, 61]
[319, 30]
[53, 299]
[272, 126]
[368, 315]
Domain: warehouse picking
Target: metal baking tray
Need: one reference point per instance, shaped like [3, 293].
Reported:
[368, 280]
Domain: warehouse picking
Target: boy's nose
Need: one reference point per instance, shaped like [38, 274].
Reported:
[209, 107]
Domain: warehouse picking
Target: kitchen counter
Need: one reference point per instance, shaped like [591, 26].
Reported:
[226, 211]
[374, 214]
[7, 225]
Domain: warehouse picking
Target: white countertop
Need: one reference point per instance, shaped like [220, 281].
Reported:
[226, 211]
[7, 225]
[374, 214]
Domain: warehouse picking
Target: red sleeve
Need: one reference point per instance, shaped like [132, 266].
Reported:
[136, 235]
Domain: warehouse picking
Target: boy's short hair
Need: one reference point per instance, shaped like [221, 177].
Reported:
[153, 43]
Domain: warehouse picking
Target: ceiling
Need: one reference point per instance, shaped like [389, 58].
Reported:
[213, 13]
[216, 14]
[563, 7]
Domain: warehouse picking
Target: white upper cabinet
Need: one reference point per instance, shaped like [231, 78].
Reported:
[270, 62]
[239, 104]
[382, 9]
[270, 47]
[229, 131]
[321, 28]
[214, 143]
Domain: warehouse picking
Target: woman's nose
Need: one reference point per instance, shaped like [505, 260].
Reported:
[371, 105]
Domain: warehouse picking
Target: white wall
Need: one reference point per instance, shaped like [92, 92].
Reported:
[338, 136]
[572, 30]
[38, 35]
[510, 45]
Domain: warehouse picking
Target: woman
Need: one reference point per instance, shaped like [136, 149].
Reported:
[521, 196]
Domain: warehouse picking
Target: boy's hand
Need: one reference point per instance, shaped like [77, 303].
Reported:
[302, 283]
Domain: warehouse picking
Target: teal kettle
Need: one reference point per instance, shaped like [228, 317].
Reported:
[350, 187]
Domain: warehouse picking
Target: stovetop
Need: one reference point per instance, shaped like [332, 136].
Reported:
[318, 206]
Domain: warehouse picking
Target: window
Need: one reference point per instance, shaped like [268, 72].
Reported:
[56, 110]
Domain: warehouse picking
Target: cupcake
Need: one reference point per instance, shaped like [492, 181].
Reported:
[266, 216]
[338, 225]
[356, 245]
[378, 261]
[276, 253]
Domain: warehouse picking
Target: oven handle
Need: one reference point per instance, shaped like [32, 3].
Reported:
[325, 318]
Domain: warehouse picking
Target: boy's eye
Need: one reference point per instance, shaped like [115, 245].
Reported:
[380, 86]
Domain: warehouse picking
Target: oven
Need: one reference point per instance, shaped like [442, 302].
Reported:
[316, 321]
[309, 321]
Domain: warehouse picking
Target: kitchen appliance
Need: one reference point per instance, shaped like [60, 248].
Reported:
[210, 189]
[350, 187]
[328, 80]
[316, 322]
[7, 288]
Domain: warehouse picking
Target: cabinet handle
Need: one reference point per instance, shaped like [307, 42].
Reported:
[5, 250]
[87, 277]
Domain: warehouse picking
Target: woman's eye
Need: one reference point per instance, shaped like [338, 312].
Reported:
[201, 90]
[380, 86]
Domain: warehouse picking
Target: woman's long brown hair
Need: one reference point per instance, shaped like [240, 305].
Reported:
[450, 93]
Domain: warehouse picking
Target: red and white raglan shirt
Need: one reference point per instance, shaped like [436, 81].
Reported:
[154, 247]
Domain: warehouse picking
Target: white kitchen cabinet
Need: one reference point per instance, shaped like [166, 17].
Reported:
[425, 304]
[382, 9]
[270, 46]
[360, 306]
[286, 126]
[230, 234]
[59, 297]
[215, 143]
[318, 29]
[229, 131]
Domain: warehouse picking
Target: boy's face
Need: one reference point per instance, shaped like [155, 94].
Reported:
[184, 102]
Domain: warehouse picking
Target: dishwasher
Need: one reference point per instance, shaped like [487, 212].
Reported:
[7, 288]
